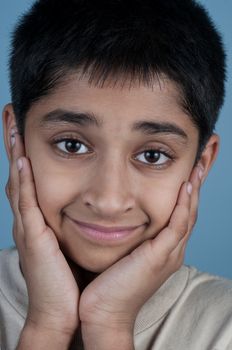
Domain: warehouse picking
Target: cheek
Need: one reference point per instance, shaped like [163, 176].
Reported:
[54, 191]
[161, 200]
[162, 196]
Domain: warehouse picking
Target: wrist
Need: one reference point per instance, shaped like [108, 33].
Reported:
[49, 323]
[108, 337]
[43, 337]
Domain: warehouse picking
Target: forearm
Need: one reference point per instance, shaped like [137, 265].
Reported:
[99, 338]
[43, 339]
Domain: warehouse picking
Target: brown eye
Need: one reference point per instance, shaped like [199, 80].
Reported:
[71, 146]
[153, 157]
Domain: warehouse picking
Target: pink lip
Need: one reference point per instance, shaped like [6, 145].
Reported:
[98, 232]
[110, 229]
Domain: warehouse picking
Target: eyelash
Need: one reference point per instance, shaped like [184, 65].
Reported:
[168, 154]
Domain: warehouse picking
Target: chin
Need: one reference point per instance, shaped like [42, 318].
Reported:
[96, 263]
[95, 269]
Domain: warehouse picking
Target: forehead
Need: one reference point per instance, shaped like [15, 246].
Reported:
[115, 105]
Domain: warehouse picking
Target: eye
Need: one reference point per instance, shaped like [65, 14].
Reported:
[71, 146]
[154, 157]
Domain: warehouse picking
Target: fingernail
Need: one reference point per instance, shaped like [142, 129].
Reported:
[189, 188]
[13, 131]
[12, 140]
[19, 164]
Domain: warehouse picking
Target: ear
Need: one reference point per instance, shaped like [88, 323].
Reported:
[9, 122]
[209, 155]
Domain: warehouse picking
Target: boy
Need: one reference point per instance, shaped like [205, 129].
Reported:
[101, 228]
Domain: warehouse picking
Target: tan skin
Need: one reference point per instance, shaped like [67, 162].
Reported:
[112, 185]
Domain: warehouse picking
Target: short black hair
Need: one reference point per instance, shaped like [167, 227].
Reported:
[134, 39]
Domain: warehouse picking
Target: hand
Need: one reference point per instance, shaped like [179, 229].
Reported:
[112, 301]
[52, 289]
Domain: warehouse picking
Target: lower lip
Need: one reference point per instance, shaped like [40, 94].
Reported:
[93, 234]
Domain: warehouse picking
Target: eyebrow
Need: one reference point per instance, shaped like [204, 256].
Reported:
[69, 117]
[147, 127]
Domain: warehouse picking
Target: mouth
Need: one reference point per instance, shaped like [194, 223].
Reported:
[105, 234]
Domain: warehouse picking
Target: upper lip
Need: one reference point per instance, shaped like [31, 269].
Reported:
[108, 229]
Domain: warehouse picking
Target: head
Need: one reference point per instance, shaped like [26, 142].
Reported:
[116, 102]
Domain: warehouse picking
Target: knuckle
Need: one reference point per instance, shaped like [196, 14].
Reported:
[23, 205]
[183, 229]
[180, 232]
[7, 191]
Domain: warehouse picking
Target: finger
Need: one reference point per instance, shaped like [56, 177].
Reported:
[12, 189]
[32, 218]
[170, 237]
[195, 179]
[179, 220]
[17, 150]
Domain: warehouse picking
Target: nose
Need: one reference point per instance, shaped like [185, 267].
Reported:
[109, 193]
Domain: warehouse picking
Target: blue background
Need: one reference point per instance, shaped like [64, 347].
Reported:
[210, 246]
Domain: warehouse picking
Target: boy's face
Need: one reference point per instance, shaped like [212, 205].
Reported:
[108, 178]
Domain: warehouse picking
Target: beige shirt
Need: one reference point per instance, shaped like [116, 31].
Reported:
[191, 311]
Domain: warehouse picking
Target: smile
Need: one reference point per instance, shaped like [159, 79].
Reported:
[102, 233]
